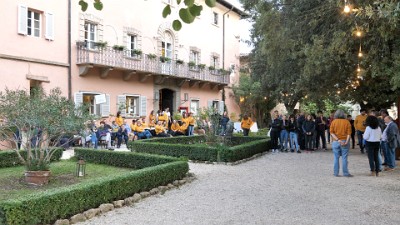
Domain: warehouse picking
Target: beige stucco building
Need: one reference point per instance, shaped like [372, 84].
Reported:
[125, 57]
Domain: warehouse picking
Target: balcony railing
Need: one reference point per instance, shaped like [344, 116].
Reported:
[127, 60]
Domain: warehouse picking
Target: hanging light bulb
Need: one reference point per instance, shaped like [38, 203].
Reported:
[358, 68]
[360, 54]
[346, 7]
[358, 33]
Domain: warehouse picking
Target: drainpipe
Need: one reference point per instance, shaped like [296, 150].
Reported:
[69, 53]
[223, 50]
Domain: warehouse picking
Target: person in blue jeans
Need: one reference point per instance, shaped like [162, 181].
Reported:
[293, 130]
[284, 135]
[340, 131]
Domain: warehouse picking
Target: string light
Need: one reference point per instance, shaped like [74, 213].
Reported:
[360, 54]
[346, 7]
[358, 68]
[358, 33]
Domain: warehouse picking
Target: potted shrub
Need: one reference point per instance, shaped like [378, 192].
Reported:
[151, 56]
[164, 59]
[118, 47]
[202, 66]
[36, 122]
[100, 44]
[179, 62]
[211, 68]
[137, 52]
[191, 64]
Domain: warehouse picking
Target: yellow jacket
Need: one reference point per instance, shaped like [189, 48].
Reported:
[359, 122]
[183, 128]
[140, 128]
[246, 124]
[152, 120]
[159, 129]
[341, 128]
[119, 121]
[175, 127]
[133, 127]
[191, 121]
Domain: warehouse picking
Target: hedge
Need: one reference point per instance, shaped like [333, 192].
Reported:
[178, 139]
[246, 147]
[46, 207]
[9, 158]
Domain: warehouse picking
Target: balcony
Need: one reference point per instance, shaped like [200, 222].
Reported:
[146, 65]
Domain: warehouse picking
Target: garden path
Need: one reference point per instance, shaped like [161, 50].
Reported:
[283, 188]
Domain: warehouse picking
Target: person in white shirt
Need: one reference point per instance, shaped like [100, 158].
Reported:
[372, 137]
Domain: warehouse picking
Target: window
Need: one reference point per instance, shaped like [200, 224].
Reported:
[215, 62]
[132, 105]
[132, 44]
[166, 45]
[33, 28]
[215, 21]
[194, 107]
[90, 34]
[98, 104]
[194, 57]
[217, 105]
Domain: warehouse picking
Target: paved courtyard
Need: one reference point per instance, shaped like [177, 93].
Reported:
[284, 188]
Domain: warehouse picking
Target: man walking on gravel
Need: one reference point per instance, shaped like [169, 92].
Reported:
[359, 124]
[390, 138]
[340, 130]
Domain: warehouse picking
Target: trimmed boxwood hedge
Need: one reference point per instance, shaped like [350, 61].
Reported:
[46, 207]
[245, 147]
[9, 158]
[178, 139]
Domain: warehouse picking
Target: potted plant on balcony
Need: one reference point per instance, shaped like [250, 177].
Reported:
[192, 64]
[100, 44]
[179, 62]
[223, 72]
[211, 68]
[36, 122]
[164, 59]
[81, 44]
[118, 47]
[202, 66]
[136, 52]
[151, 56]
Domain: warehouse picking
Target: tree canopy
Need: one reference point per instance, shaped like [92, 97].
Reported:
[308, 50]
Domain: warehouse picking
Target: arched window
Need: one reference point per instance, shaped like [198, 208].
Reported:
[167, 45]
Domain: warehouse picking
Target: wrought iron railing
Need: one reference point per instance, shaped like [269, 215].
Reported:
[128, 60]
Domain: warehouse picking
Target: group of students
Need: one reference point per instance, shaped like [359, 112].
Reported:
[159, 125]
[298, 132]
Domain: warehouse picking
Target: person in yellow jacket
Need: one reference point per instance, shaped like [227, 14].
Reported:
[133, 130]
[359, 124]
[246, 124]
[190, 121]
[142, 133]
[152, 119]
[183, 128]
[174, 130]
[160, 130]
[144, 122]
[163, 117]
[119, 120]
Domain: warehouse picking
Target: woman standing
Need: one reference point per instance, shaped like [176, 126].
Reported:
[372, 136]
[308, 129]
[152, 119]
[246, 124]
[293, 129]
[340, 131]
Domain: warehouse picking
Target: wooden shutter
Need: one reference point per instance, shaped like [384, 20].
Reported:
[221, 107]
[22, 19]
[78, 99]
[49, 26]
[105, 107]
[143, 106]
[121, 101]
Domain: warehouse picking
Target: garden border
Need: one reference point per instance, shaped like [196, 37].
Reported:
[248, 147]
[47, 207]
[9, 158]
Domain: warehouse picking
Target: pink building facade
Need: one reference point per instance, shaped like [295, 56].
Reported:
[124, 58]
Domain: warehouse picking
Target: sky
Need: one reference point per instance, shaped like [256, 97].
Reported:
[245, 26]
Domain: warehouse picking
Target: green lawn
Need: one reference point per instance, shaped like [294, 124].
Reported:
[63, 174]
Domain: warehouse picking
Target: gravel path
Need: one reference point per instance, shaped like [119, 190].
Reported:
[284, 188]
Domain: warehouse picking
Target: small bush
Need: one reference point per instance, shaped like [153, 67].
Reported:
[9, 158]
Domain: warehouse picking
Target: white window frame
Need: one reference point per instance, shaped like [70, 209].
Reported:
[136, 109]
[101, 110]
[131, 45]
[88, 25]
[195, 111]
[194, 57]
[31, 19]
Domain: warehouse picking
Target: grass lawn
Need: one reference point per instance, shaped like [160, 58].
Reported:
[12, 182]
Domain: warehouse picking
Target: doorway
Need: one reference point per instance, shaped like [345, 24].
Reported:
[166, 100]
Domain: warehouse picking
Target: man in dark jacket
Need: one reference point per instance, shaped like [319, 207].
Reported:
[321, 122]
[391, 138]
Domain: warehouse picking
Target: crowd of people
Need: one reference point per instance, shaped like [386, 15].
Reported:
[376, 133]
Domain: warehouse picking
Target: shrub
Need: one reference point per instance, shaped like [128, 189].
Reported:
[186, 147]
[9, 158]
[46, 207]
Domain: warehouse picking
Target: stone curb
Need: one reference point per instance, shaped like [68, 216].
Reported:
[129, 201]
